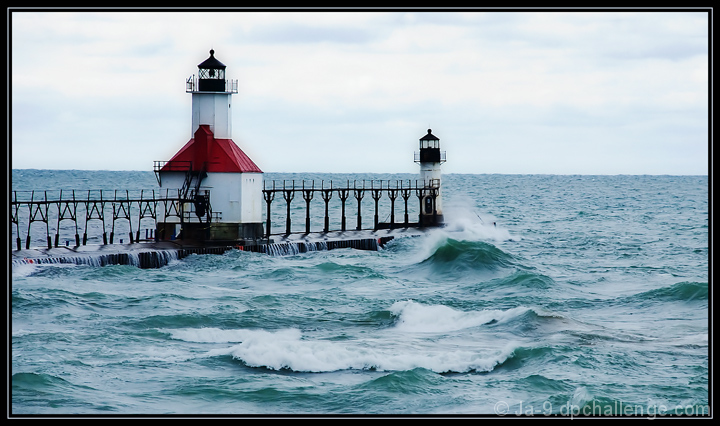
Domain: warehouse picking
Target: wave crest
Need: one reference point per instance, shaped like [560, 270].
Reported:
[453, 256]
[683, 291]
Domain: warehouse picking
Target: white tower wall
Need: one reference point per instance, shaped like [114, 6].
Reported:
[252, 197]
[236, 196]
[213, 109]
[431, 175]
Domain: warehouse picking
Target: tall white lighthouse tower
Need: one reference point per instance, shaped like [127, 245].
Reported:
[430, 158]
[219, 185]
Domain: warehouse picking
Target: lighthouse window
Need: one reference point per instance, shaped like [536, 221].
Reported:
[211, 73]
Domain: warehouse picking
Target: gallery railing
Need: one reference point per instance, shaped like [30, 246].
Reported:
[358, 189]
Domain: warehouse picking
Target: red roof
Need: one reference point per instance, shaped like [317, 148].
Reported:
[220, 155]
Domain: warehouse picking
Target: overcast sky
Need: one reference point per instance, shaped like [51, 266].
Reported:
[506, 92]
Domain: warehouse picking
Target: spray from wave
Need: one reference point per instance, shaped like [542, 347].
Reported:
[463, 223]
[466, 241]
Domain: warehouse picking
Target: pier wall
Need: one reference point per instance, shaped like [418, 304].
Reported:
[151, 255]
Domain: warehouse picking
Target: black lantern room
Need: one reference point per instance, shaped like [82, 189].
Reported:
[430, 148]
[211, 75]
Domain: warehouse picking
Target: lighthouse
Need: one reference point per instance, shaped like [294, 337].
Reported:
[219, 188]
[430, 158]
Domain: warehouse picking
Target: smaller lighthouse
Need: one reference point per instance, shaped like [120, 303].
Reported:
[219, 185]
[430, 158]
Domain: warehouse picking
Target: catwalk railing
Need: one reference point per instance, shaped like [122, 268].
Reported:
[64, 211]
[327, 190]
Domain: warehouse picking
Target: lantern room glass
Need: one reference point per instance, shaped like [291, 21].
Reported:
[429, 143]
[211, 74]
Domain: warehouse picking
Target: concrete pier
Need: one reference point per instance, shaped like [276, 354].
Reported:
[157, 254]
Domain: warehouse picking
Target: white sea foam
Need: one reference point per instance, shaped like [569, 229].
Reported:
[217, 335]
[26, 267]
[153, 353]
[696, 339]
[288, 351]
[416, 317]
[580, 397]
[23, 269]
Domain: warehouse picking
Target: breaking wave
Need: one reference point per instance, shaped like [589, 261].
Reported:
[453, 257]
[392, 349]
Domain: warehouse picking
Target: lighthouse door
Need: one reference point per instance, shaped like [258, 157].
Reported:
[428, 205]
